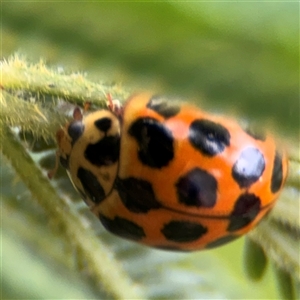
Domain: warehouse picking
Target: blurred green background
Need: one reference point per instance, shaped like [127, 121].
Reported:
[229, 54]
[241, 57]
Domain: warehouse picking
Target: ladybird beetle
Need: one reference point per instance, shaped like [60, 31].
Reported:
[169, 175]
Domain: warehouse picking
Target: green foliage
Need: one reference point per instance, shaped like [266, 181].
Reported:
[239, 57]
[254, 253]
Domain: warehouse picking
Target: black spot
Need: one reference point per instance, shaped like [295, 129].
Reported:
[183, 231]
[64, 162]
[277, 175]
[122, 227]
[208, 137]
[75, 130]
[163, 107]
[197, 188]
[155, 142]
[105, 152]
[221, 241]
[246, 208]
[136, 194]
[256, 133]
[103, 124]
[171, 248]
[249, 167]
[92, 187]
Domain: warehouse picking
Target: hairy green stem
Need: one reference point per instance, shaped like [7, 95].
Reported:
[103, 268]
[18, 74]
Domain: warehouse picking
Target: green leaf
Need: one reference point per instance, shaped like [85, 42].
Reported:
[255, 260]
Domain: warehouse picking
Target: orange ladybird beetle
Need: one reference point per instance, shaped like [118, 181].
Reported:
[170, 175]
